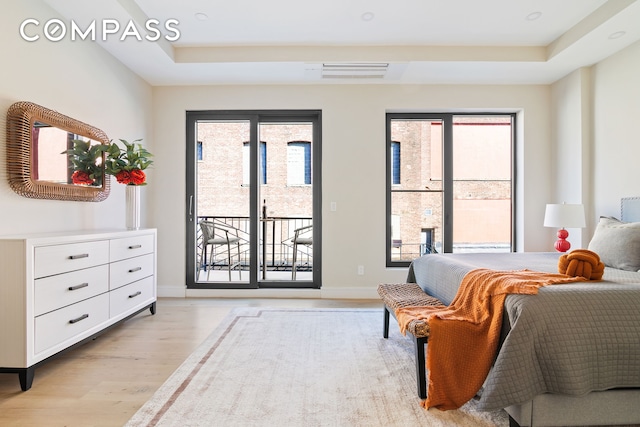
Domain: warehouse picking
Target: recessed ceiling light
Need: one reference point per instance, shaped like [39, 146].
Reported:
[368, 16]
[201, 16]
[533, 16]
[617, 35]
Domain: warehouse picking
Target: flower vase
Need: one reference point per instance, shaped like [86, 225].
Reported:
[133, 207]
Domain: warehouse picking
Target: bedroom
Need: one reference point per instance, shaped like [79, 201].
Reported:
[578, 144]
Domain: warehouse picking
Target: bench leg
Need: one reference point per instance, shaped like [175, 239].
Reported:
[419, 343]
[385, 331]
[421, 374]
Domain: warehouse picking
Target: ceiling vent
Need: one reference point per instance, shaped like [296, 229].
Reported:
[354, 70]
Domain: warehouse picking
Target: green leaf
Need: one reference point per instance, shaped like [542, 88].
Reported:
[132, 156]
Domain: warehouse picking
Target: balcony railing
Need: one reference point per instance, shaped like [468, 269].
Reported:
[275, 240]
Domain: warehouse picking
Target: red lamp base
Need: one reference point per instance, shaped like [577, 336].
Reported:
[562, 245]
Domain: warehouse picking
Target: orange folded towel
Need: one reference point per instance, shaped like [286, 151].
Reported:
[464, 337]
[581, 262]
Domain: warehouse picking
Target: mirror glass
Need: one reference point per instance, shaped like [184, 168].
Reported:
[52, 156]
[58, 157]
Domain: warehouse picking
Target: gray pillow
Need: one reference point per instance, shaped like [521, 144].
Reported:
[617, 243]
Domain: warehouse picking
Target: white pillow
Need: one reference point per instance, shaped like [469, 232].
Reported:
[617, 243]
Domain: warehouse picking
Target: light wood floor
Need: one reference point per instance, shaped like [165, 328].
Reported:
[105, 381]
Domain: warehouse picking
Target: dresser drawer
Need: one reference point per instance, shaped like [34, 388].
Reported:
[56, 259]
[58, 291]
[129, 270]
[58, 326]
[130, 296]
[128, 247]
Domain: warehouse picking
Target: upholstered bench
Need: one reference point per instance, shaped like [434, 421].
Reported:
[395, 296]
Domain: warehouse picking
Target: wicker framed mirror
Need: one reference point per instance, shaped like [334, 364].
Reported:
[39, 160]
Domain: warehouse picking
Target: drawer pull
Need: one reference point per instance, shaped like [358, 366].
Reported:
[135, 246]
[80, 286]
[76, 320]
[79, 256]
[133, 270]
[135, 295]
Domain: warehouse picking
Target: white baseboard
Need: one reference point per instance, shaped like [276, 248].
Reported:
[350, 293]
[324, 293]
[171, 292]
[253, 293]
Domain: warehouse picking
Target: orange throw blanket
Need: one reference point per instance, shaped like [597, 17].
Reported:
[464, 337]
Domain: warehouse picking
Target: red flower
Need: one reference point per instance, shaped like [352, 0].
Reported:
[81, 177]
[137, 176]
[123, 177]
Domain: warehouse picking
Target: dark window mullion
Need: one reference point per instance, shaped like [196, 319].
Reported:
[254, 204]
[447, 182]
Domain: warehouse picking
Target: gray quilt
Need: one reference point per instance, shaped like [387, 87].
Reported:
[569, 339]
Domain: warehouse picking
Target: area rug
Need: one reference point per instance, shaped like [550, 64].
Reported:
[305, 367]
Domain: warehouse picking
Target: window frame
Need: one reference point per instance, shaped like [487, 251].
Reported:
[447, 175]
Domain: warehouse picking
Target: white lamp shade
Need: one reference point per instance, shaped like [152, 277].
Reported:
[564, 216]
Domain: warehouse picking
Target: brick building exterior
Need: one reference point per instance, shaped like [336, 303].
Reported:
[223, 188]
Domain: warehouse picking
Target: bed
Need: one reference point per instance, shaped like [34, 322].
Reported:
[571, 354]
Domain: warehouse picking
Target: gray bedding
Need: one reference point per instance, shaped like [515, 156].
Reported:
[569, 339]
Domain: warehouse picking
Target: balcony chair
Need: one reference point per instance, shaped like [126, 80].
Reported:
[300, 237]
[218, 235]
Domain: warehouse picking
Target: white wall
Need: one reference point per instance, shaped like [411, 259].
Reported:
[616, 139]
[571, 107]
[596, 112]
[79, 80]
[353, 147]
[596, 148]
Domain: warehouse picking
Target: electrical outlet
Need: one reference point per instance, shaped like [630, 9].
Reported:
[333, 206]
[360, 270]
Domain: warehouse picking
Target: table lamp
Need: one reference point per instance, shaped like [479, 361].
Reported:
[564, 215]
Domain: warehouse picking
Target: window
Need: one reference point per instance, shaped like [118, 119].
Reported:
[245, 163]
[455, 192]
[199, 151]
[299, 163]
[395, 163]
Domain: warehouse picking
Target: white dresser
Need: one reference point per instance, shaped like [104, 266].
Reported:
[57, 290]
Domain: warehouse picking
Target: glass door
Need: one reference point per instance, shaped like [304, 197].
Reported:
[253, 199]
[222, 205]
[286, 220]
